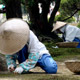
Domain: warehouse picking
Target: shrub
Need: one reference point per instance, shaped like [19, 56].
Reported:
[79, 25]
[61, 17]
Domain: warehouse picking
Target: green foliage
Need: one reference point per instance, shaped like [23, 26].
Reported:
[5, 1]
[61, 54]
[67, 8]
[62, 17]
[79, 25]
[79, 12]
[1, 1]
[23, 1]
[30, 3]
[70, 5]
[71, 20]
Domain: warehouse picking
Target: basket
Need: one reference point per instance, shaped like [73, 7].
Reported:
[73, 65]
[67, 44]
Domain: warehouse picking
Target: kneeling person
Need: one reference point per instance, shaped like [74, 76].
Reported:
[20, 43]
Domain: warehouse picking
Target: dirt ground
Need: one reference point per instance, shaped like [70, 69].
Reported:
[62, 69]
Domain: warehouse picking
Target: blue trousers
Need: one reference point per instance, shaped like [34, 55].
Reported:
[46, 62]
[77, 40]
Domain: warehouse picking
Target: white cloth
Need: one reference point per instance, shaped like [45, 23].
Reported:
[10, 66]
[18, 70]
[35, 46]
[70, 32]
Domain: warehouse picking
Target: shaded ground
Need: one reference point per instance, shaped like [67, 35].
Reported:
[38, 74]
[62, 69]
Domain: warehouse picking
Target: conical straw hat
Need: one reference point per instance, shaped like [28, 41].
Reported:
[14, 34]
[58, 25]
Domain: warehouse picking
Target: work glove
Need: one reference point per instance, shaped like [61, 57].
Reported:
[55, 47]
[19, 70]
[11, 68]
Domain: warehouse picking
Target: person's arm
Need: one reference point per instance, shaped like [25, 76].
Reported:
[28, 64]
[11, 62]
[33, 55]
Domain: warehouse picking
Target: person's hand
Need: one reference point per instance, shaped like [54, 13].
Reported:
[11, 68]
[18, 70]
[55, 47]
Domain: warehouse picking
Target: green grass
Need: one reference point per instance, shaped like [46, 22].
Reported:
[36, 77]
[62, 54]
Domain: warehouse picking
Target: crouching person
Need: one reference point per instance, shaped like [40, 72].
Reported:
[18, 42]
[70, 33]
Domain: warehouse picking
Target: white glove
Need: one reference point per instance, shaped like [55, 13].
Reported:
[10, 66]
[55, 47]
[18, 70]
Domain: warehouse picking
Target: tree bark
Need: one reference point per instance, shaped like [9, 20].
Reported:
[56, 8]
[39, 21]
[13, 9]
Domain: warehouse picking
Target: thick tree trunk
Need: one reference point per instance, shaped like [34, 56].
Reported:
[40, 22]
[56, 8]
[13, 9]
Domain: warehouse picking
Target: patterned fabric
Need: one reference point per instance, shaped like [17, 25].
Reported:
[26, 65]
[11, 60]
[30, 62]
[27, 61]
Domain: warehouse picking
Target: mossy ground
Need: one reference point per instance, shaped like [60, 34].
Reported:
[36, 77]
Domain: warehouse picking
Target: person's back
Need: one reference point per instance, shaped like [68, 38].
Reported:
[34, 45]
[70, 33]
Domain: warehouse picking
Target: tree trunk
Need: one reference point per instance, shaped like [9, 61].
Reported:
[56, 8]
[13, 9]
[39, 21]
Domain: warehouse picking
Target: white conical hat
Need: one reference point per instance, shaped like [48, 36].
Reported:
[58, 25]
[14, 34]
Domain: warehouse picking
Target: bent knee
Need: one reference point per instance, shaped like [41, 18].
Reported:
[51, 69]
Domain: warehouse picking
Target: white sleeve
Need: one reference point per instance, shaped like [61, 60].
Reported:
[70, 33]
[33, 41]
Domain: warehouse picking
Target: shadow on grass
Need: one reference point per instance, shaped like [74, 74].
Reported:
[34, 73]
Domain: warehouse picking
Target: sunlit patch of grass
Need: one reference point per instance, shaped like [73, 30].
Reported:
[61, 54]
